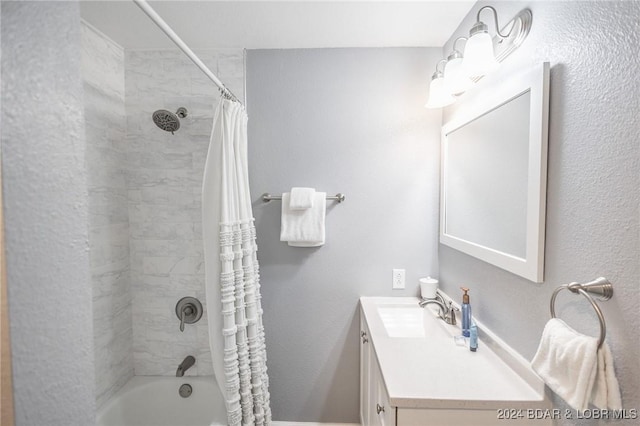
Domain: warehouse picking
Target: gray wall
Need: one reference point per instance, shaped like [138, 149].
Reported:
[351, 121]
[105, 122]
[45, 190]
[593, 184]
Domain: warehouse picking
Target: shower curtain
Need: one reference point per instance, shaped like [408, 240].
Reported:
[234, 313]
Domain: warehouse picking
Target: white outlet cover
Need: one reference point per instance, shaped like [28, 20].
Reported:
[398, 279]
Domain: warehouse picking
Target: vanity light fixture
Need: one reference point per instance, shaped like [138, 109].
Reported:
[482, 54]
[439, 94]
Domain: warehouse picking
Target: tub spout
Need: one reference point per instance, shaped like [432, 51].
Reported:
[185, 365]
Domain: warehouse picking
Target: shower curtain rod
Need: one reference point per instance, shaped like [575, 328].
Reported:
[157, 19]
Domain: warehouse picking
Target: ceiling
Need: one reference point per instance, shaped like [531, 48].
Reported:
[280, 24]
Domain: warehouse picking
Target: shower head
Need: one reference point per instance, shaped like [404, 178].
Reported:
[168, 121]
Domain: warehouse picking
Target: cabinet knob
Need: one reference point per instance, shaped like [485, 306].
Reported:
[364, 340]
[379, 409]
[363, 333]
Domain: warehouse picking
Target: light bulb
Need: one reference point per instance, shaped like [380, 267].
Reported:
[456, 80]
[479, 58]
[439, 96]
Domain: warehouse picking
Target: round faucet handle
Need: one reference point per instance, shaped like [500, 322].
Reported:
[188, 310]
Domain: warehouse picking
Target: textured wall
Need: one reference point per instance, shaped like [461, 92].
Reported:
[46, 214]
[339, 120]
[593, 180]
[105, 123]
[164, 190]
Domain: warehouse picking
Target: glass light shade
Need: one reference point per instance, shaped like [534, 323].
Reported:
[479, 58]
[456, 80]
[439, 96]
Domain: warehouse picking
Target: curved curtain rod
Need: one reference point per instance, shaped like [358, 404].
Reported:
[157, 19]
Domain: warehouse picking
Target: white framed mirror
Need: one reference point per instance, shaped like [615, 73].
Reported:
[494, 173]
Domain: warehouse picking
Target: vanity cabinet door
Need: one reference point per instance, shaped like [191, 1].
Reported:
[365, 374]
[383, 411]
[375, 409]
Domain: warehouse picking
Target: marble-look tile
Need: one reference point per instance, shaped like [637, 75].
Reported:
[110, 282]
[107, 178]
[205, 363]
[210, 59]
[105, 126]
[178, 67]
[230, 65]
[164, 231]
[198, 105]
[106, 214]
[111, 109]
[159, 160]
[202, 86]
[167, 265]
[163, 213]
[171, 195]
[164, 179]
[200, 127]
[102, 62]
[154, 177]
[192, 248]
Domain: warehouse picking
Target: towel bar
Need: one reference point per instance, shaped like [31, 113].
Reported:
[266, 197]
[600, 287]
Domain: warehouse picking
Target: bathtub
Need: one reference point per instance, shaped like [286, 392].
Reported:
[154, 401]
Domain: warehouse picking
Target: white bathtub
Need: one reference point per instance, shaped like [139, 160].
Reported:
[154, 401]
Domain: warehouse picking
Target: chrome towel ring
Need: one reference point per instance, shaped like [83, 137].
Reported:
[600, 287]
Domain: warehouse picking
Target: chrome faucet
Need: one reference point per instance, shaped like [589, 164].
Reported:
[446, 313]
[186, 364]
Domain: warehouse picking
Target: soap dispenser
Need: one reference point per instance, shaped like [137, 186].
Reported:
[466, 313]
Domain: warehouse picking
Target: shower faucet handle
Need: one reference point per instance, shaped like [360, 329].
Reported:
[183, 314]
[188, 311]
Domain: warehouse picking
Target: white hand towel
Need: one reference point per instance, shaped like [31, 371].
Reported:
[567, 361]
[606, 391]
[303, 228]
[301, 198]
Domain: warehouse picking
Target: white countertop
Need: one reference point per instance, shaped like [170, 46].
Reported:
[434, 372]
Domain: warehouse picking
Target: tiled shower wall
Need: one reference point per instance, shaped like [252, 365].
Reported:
[164, 181]
[144, 196]
[105, 124]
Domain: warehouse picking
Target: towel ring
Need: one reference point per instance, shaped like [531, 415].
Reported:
[601, 287]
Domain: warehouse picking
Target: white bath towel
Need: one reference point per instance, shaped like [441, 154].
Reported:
[301, 198]
[567, 361]
[606, 391]
[303, 228]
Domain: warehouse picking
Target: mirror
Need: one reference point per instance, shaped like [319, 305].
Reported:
[493, 175]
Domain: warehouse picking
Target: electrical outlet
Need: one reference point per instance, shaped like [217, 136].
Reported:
[397, 279]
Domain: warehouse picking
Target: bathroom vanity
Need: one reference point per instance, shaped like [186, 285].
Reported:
[412, 372]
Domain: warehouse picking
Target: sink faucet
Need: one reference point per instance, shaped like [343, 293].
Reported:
[185, 365]
[446, 313]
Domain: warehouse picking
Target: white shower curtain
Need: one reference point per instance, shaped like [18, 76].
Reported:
[236, 334]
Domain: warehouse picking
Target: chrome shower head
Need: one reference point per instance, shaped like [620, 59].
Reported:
[168, 121]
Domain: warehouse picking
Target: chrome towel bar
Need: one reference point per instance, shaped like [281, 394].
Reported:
[601, 287]
[266, 197]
